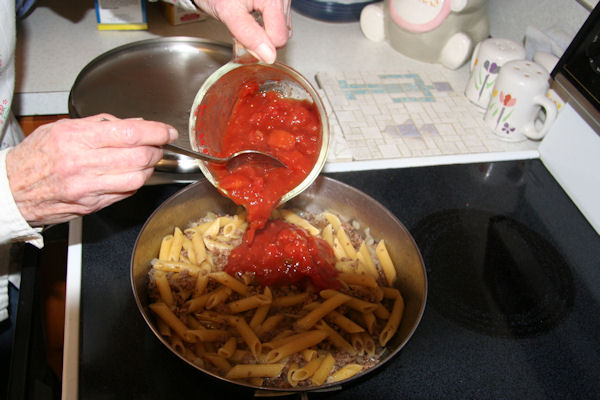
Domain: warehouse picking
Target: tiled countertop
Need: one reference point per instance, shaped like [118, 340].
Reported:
[418, 115]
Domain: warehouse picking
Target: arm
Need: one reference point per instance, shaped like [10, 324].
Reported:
[74, 167]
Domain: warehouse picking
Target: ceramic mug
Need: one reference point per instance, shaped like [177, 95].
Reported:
[517, 98]
[489, 55]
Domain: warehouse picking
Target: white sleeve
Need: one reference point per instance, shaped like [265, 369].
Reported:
[13, 226]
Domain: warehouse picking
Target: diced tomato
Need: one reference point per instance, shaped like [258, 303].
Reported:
[281, 139]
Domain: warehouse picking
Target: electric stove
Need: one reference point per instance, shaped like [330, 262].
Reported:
[512, 311]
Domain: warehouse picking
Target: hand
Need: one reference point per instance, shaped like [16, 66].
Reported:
[236, 14]
[74, 167]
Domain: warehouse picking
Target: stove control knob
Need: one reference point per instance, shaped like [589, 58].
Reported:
[592, 52]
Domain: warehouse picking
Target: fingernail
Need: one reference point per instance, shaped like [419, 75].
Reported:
[173, 134]
[266, 53]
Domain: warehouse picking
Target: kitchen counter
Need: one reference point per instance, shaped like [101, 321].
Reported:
[446, 131]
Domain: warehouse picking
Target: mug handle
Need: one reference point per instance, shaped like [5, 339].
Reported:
[550, 108]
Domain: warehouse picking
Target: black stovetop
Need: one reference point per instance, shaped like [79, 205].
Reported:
[513, 307]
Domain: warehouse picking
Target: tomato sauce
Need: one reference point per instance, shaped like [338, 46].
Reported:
[286, 128]
[284, 254]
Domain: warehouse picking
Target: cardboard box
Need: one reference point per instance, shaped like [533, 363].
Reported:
[178, 16]
[121, 14]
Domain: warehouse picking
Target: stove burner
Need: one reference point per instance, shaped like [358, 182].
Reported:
[492, 274]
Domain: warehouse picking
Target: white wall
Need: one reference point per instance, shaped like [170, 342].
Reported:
[510, 18]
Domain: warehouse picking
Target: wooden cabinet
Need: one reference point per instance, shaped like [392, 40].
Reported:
[30, 123]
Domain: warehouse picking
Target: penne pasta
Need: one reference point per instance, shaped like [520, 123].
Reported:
[247, 334]
[164, 288]
[165, 248]
[344, 240]
[353, 302]
[243, 371]
[227, 280]
[364, 256]
[320, 375]
[164, 313]
[297, 220]
[228, 349]
[298, 343]
[336, 339]
[308, 369]
[393, 321]
[347, 371]
[176, 245]
[324, 308]
[344, 322]
[236, 328]
[389, 271]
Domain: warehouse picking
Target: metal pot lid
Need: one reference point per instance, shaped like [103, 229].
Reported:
[154, 79]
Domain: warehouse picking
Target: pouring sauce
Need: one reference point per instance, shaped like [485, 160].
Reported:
[286, 128]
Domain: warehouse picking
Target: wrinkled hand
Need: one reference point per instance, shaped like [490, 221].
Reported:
[74, 167]
[236, 14]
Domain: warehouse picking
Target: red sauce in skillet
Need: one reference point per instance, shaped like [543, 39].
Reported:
[284, 254]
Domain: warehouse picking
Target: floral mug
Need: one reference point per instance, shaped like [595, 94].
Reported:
[520, 92]
[488, 56]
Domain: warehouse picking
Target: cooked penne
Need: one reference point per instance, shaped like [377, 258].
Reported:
[164, 288]
[228, 349]
[197, 244]
[248, 303]
[177, 266]
[221, 363]
[344, 322]
[259, 316]
[364, 256]
[308, 369]
[163, 311]
[297, 220]
[205, 335]
[358, 279]
[269, 324]
[227, 280]
[393, 322]
[165, 247]
[310, 319]
[247, 334]
[335, 338]
[333, 220]
[327, 234]
[347, 371]
[243, 371]
[217, 297]
[346, 244]
[389, 271]
[300, 342]
[219, 322]
[290, 300]
[290, 374]
[353, 302]
[323, 371]
[176, 245]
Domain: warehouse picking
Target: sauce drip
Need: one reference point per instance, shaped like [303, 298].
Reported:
[286, 128]
[284, 254]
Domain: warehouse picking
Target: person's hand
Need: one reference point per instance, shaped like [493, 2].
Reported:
[74, 167]
[236, 14]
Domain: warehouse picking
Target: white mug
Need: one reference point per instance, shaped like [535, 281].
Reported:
[518, 95]
[489, 55]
